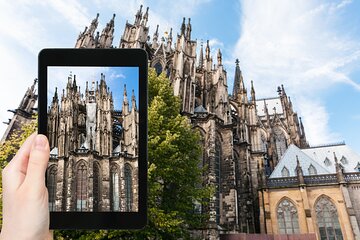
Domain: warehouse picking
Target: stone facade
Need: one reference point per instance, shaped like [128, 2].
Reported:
[93, 160]
[241, 135]
[23, 114]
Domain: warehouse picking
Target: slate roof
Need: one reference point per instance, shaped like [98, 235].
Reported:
[345, 155]
[288, 160]
[322, 158]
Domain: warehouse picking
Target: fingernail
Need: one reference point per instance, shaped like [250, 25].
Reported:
[40, 142]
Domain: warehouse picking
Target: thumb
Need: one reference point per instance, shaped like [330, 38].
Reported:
[38, 161]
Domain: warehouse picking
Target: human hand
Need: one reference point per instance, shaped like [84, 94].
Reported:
[25, 196]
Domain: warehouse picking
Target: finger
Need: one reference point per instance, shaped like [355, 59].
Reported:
[38, 161]
[15, 171]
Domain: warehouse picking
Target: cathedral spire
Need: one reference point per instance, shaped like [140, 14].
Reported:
[188, 30]
[201, 57]
[169, 40]
[125, 107]
[302, 127]
[107, 34]
[133, 101]
[138, 16]
[155, 37]
[55, 97]
[94, 24]
[299, 171]
[145, 17]
[207, 51]
[183, 27]
[238, 81]
[219, 57]
[253, 99]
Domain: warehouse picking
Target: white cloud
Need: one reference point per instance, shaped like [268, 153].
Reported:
[296, 43]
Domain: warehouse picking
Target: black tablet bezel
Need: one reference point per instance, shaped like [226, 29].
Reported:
[100, 57]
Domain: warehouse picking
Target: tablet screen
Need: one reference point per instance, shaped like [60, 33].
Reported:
[93, 129]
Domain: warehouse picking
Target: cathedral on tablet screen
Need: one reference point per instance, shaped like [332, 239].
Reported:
[93, 159]
[267, 177]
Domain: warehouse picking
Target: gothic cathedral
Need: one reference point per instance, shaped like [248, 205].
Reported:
[241, 136]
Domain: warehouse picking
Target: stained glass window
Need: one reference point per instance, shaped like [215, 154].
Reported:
[96, 187]
[217, 176]
[128, 188]
[81, 187]
[287, 218]
[115, 187]
[327, 220]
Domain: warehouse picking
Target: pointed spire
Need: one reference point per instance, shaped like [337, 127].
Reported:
[188, 30]
[339, 170]
[93, 24]
[219, 57]
[238, 81]
[133, 101]
[138, 16]
[170, 35]
[155, 38]
[169, 40]
[145, 17]
[201, 57]
[33, 86]
[183, 27]
[302, 127]
[74, 83]
[207, 51]
[125, 108]
[299, 171]
[253, 99]
[55, 98]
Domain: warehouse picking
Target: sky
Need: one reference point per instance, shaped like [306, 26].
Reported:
[310, 46]
[115, 77]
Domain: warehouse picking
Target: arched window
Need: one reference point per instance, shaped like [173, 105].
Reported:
[327, 219]
[51, 184]
[81, 187]
[312, 170]
[280, 142]
[115, 187]
[285, 172]
[128, 188]
[96, 187]
[217, 177]
[158, 68]
[287, 218]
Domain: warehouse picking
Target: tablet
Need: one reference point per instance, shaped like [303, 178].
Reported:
[93, 109]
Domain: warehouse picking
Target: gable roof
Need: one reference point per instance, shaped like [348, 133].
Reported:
[319, 154]
[288, 160]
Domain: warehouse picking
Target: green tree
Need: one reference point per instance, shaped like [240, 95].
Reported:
[174, 176]
[9, 148]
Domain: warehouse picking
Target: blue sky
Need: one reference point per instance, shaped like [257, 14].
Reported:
[310, 46]
[115, 78]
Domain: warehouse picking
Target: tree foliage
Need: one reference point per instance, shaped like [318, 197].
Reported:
[9, 148]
